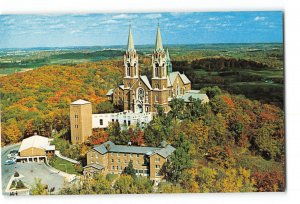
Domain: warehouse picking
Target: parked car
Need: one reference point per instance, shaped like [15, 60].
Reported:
[12, 154]
[9, 162]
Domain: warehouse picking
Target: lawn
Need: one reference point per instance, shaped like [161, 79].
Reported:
[64, 165]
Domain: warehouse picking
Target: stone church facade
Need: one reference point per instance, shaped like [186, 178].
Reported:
[138, 94]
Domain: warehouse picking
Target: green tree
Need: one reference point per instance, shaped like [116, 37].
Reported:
[38, 188]
[125, 185]
[105, 107]
[129, 170]
[143, 184]
[179, 160]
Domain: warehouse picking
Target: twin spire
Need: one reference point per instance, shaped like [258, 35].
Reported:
[130, 44]
[158, 42]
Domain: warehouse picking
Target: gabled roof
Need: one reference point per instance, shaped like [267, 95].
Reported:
[183, 77]
[102, 148]
[172, 77]
[36, 141]
[146, 81]
[96, 166]
[110, 92]
[80, 102]
[166, 151]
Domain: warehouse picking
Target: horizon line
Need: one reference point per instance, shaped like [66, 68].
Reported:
[73, 46]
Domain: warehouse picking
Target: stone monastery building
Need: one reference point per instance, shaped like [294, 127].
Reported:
[137, 95]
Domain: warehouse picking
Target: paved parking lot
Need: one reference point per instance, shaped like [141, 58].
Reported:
[30, 171]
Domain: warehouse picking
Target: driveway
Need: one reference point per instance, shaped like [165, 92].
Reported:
[30, 171]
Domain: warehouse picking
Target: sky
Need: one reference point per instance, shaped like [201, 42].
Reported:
[21, 31]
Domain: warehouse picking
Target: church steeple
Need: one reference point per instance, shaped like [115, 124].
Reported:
[158, 43]
[169, 64]
[131, 62]
[130, 44]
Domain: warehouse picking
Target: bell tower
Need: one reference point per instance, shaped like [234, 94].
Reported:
[131, 71]
[159, 72]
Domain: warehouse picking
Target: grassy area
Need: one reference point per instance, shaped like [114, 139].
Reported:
[64, 165]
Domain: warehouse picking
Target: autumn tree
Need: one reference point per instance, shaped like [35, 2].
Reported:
[12, 132]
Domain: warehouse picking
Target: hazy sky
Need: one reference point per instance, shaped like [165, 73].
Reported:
[18, 31]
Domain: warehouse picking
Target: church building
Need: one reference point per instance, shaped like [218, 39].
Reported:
[138, 94]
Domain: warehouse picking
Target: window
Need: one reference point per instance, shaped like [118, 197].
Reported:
[118, 160]
[117, 167]
[128, 69]
[112, 167]
[137, 155]
[112, 120]
[157, 159]
[124, 155]
[129, 123]
[156, 98]
[101, 121]
[112, 160]
[141, 94]
[156, 71]
[157, 166]
[76, 116]
[125, 122]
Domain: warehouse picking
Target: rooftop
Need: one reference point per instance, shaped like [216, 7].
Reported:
[80, 102]
[37, 142]
[112, 147]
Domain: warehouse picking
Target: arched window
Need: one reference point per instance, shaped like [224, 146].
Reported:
[156, 72]
[128, 71]
[141, 94]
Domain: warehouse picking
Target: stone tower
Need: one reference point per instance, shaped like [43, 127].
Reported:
[80, 121]
[131, 71]
[159, 72]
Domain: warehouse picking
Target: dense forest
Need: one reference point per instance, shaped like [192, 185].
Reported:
[38, 100]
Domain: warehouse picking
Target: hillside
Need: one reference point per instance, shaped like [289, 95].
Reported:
[38, 100]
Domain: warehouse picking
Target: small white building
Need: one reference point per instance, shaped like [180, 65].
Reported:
[35, 149]
[124, 119]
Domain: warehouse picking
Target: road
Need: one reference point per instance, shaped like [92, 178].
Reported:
[30, 171]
